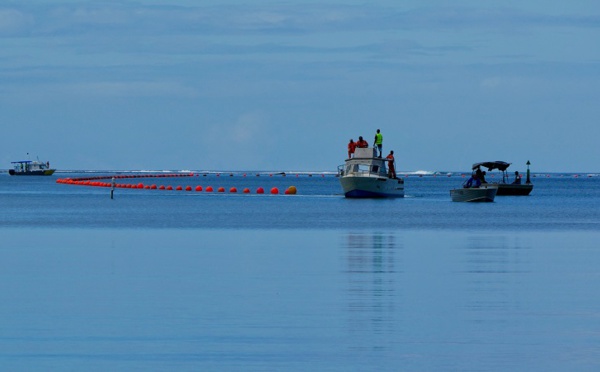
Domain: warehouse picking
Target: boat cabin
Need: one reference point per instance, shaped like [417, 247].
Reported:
[365, 163]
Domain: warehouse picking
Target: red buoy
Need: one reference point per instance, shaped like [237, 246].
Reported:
[221, 189]
[233, 189]
[260, 190]
[198, 188]
[169, 187]
[246, 191]
[161, 187]
[209, 189]
[274, 190]
[188, 188]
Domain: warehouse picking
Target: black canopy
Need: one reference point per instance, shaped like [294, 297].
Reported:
[491, 165]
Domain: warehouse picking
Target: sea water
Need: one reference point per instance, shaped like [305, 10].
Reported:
[176, 280]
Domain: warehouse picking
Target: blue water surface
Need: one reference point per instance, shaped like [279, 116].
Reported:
[176, 280]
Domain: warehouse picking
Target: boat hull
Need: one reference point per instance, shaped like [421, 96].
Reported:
[45, 172]
[372, 187]
[514, 189]
[479, 194]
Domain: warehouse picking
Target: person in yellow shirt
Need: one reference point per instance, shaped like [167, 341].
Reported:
[378, 143]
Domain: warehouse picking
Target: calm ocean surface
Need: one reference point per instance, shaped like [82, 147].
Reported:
[176, 280]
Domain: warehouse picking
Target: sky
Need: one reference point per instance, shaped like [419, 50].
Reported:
[283, 85]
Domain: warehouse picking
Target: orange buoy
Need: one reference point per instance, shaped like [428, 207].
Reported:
[153, 187]
[260, 190]
[233, 189]
[246, 191]
[169, 187]
[161, 187]
[179, 188]
[188, 188]
[140, 185]
[291, 190]
[198, 188]
[274, 190]
[221, 189]
[209, 189]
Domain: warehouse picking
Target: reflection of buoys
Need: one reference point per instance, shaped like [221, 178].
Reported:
[221, 189]
[209, 189]
[260, 190]
[188, 188]
[198, 188]
[291, 190]
[274, 190]
[233, 189]
[246, 191]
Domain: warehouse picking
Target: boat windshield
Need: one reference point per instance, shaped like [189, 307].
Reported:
[364, 169]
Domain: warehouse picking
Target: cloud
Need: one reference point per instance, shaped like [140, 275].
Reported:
[116, 17]
[14, 22]
[249, 128]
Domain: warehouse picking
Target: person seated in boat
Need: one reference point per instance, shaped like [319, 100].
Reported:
[473, 181]
[391, 167]
[480, 175]
[351, 148]
[361, 143]
[517, 178]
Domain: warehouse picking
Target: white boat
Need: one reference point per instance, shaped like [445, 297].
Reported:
[366, 176]
[483, 193]
[30, 168]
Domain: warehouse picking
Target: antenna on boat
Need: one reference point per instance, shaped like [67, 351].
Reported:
[528, 180]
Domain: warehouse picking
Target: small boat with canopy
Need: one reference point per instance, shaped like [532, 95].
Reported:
[516, 188]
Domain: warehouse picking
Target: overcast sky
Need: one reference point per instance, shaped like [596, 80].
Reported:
[283, 85]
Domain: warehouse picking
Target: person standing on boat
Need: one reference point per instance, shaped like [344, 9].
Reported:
[378, 142]
[351, 148]
[361, 143]
[391, 166]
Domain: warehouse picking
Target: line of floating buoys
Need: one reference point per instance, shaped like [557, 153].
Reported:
[93, 181]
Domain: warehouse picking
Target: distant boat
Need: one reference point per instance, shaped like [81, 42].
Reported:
[366, 176]
[483, 193]
[30, 168]
[504, 188]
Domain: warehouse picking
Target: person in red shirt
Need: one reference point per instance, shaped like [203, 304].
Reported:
[361, 143]
[391, 166]
[351, 148]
